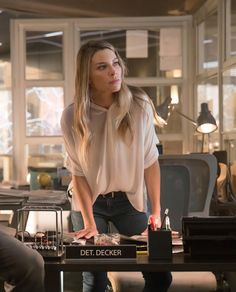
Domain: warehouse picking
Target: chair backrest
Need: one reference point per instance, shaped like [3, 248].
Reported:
[187, 184]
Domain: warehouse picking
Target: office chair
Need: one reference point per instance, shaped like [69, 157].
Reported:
[187, 184]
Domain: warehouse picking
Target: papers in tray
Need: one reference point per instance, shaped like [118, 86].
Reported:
[142, 239]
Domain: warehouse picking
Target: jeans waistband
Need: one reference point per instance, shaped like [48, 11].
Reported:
[113, 194]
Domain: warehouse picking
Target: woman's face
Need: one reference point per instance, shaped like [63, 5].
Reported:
[105, 72]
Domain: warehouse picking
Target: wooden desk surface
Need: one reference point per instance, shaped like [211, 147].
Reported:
[179, 262]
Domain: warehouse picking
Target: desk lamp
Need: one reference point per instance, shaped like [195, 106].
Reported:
[205, 123]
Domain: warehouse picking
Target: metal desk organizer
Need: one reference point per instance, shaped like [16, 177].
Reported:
[49, 243]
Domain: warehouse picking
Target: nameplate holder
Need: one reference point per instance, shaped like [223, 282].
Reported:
[100, 252]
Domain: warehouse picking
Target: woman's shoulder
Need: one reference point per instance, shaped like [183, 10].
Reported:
[68, 114]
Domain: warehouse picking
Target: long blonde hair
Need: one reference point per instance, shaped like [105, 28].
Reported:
[123, 98]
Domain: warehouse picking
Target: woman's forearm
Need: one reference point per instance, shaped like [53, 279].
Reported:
[83, 196]
[152, 180]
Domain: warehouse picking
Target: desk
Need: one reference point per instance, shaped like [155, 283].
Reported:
[16, 199]
[13, 204]
[179, 262]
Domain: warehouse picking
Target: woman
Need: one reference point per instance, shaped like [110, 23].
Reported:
[111, 144]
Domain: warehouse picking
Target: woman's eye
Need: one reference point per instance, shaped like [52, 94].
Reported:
[101, 67]
[116, 63]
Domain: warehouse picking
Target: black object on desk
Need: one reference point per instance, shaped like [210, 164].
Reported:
[209, 236]
[159, 244]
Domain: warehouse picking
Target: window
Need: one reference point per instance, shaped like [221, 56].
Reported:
[44, 57]
[229, 99]
[44, 73]
[207, 35]
[230, 29]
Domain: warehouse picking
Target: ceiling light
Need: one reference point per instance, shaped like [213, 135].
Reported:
[51, 34]
[176, 12]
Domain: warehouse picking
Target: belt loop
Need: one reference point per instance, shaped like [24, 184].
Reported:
[112, 195]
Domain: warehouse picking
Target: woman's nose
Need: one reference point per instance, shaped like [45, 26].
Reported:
[112, 70]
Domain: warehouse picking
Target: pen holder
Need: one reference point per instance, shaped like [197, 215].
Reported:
[159, 244]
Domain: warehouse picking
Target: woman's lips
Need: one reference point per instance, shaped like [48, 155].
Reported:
[114, 81]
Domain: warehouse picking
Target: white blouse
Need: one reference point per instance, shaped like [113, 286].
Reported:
[112, 164]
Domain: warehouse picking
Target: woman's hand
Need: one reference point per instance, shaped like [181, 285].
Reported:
[87, 232]
[155, 223]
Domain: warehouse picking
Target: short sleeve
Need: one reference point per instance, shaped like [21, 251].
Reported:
[150, 137]
[72, 159]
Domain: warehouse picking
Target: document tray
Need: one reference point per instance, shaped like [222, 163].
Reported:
[209, 236]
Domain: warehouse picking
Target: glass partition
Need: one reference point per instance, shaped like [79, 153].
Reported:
[5, 122]
[207, 33]
[233, 29]
[44, 106]
[6, 125]
[230, 29]
[147, 53]
[229, 99]
[45, 155]
[44, 55]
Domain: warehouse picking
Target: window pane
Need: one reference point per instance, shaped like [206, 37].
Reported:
[6, 135]
[152, 65]
[5, 122]
[45, 155]
[233, 28]
[6, 168]
[44, 106]
[207, 43]
[5, 104]
[229, 99]
[44, 55]
[44, 163]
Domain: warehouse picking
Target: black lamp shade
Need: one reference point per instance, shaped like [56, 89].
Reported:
[205, 122]
[163, 109]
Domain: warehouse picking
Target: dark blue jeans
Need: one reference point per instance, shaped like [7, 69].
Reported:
[128, 221]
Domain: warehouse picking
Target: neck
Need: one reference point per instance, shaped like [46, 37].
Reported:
[102, 100]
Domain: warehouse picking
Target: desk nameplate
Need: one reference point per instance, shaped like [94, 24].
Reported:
[100, 252]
